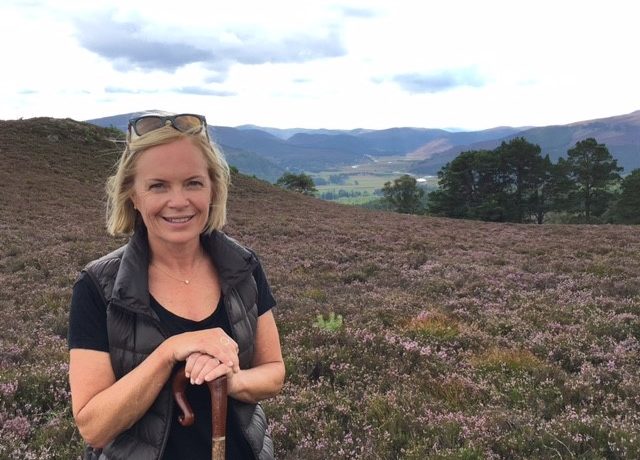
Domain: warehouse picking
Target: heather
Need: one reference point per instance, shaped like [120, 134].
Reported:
[406, 337]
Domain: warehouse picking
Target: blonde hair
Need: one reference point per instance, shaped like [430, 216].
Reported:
[121, 215]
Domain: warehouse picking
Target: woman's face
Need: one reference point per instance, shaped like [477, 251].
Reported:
[172, 192]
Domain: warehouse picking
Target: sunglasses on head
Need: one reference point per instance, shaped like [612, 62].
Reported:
[183, 122]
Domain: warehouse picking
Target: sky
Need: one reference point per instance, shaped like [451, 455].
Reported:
[374, 64]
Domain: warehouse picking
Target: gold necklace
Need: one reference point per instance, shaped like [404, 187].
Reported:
[182, 280]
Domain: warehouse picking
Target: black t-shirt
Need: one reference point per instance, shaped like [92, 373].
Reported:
[88, 330]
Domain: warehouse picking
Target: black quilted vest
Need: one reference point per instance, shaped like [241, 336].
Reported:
[134, 332]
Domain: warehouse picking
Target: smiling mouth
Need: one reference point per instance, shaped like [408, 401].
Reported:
[178, 220]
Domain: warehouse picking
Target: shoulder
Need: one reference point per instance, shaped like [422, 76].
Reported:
[106, 259]
[233, 260]
[87, 316]
[248, 254]
[223, 242]
[102, 272]
[105, 262]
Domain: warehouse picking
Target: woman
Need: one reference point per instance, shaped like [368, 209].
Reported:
[179, 290]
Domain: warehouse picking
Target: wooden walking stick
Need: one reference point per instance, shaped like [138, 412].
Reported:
[218, 390]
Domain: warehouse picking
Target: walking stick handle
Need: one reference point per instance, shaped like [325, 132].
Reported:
[179, 387]
[218, 390]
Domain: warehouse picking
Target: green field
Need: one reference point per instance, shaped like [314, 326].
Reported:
[359, 187]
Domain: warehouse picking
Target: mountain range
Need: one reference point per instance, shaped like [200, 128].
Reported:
[268, 152]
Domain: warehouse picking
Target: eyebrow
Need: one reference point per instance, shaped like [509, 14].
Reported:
[156, 179]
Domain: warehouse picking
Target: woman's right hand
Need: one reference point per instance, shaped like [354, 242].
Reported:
[201, 368]
[213, 342]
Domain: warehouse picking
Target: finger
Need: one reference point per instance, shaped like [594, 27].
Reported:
[200, 363]
[230, 350]
[190, 361]
[219, 371]
[230, 359]
[209, 367]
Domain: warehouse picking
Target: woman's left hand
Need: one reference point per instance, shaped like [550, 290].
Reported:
[200, 368]
[263, 379]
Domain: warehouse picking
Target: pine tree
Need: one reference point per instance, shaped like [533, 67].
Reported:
[593, 171]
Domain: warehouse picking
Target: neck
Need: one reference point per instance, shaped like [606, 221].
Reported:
[178, 258]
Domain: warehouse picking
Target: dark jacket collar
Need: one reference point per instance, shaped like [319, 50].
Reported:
[233, 262]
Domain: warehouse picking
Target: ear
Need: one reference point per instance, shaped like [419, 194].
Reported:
[134, 200]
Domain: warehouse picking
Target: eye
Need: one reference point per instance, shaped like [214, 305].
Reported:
[195, 183]
[156, 186]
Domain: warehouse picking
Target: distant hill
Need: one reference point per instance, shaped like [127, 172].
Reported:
[423, 151]
[288, 132]
[246, 161]
[252, 164]
[315, 151]
[621, 134]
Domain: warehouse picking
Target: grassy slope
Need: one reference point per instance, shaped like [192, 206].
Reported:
[460, 339]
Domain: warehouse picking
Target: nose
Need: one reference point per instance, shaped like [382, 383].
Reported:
[178, 198]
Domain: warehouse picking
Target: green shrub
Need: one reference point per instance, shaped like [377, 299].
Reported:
[332, 324]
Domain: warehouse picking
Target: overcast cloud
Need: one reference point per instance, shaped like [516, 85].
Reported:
[331, 64]
[438, 81]
[133, 45]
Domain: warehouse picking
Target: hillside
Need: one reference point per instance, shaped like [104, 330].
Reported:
[621, 134]
[459, 339]
[321, 149]
[419, 151]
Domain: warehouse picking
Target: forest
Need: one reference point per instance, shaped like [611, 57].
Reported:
[515, 183]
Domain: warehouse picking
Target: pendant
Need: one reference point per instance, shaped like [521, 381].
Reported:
[186, 281]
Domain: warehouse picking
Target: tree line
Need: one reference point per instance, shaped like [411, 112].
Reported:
[342, 193]
[515, 183]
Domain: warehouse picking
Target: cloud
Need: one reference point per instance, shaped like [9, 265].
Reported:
[215, 77]
[357, 12]
[297, 47]
[123, 90]
[201, 91]
[134, 46]
[198, 90]
[438, 81]
[126, 45]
